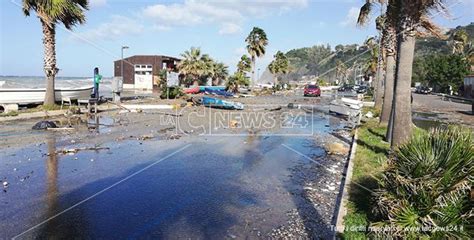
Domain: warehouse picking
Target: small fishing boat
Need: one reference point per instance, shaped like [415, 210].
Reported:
[203, 88]
[36, 95]
[219, 103]
[194, 90]
[219, 92]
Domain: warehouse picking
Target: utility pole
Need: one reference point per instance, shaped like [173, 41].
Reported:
[119, 83]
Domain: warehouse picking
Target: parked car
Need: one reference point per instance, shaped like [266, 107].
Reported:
[362, 89]
[345, 88]
[312, 90]
[423, 90]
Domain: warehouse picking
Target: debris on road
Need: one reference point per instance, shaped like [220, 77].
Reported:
[43, 125]
[75, 150]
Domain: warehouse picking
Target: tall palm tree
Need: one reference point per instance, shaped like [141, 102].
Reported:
[256, 43]
[364, 14]
[411, 14]
[279, 65]
[51, 12]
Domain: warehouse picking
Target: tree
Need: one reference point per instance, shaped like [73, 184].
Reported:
[459, 40]
[279, 65]
[256, 44]
[341, 71]
[220, 73]
[364, 13]
[195, 65]
[410, 14]
[443, 71]
[51, 12]
[244, 65]
[371, 63]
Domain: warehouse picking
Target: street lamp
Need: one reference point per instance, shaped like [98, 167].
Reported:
[121, 62]
[119, 83]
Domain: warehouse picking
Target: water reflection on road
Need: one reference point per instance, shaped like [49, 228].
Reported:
[220, 186]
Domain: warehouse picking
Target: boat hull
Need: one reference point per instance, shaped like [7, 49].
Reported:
[219, 103]
[36, 96]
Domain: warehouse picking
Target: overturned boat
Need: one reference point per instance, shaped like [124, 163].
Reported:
[22, 96]
[219, 103]
[346, 107]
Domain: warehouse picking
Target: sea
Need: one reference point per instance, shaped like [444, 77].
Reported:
[7, 82]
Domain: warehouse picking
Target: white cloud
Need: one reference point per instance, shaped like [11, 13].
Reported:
[117, 27]
[229, 14]
[351, 17]
[97, 3]
[230, 28]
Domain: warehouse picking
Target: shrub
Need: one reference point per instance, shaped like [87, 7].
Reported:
[426, 185]
[172, 93]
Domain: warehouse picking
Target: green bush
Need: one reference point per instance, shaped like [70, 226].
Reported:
[426, 186]
[171, 93]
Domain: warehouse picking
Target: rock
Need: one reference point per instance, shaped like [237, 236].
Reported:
[337, 148]
[369, 114]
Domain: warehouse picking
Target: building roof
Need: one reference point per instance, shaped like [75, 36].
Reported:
[164, 57]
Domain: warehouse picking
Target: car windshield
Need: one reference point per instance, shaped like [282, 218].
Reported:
[312, 86]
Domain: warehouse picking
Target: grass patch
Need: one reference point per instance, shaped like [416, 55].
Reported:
[39, 108]
[9, 114]
[371, 155]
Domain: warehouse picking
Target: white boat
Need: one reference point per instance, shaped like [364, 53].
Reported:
[346, 106]
[36, 95]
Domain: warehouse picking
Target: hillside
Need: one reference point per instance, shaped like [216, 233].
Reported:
[320, 59]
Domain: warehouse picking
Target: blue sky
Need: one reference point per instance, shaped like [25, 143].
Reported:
[219, 27]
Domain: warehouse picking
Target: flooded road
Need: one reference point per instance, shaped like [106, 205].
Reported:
[200, 187]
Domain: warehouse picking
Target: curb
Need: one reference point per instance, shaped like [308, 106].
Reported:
[342, 211]
[45, 114]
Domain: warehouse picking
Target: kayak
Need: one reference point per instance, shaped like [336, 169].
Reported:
[219, 103]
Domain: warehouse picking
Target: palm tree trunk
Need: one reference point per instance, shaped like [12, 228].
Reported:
[388, 89]
[402, 123]
[253, 70]
[379, 85]
[50, 69]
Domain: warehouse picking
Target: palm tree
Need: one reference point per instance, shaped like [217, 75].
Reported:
[411, 14]
[372, 62]
[256, 43]
[51, 12]
[390, 43]
[279, 65]
[364, 13]
[459, 40]
[194, 65]
[244, 65]
[220, 73]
